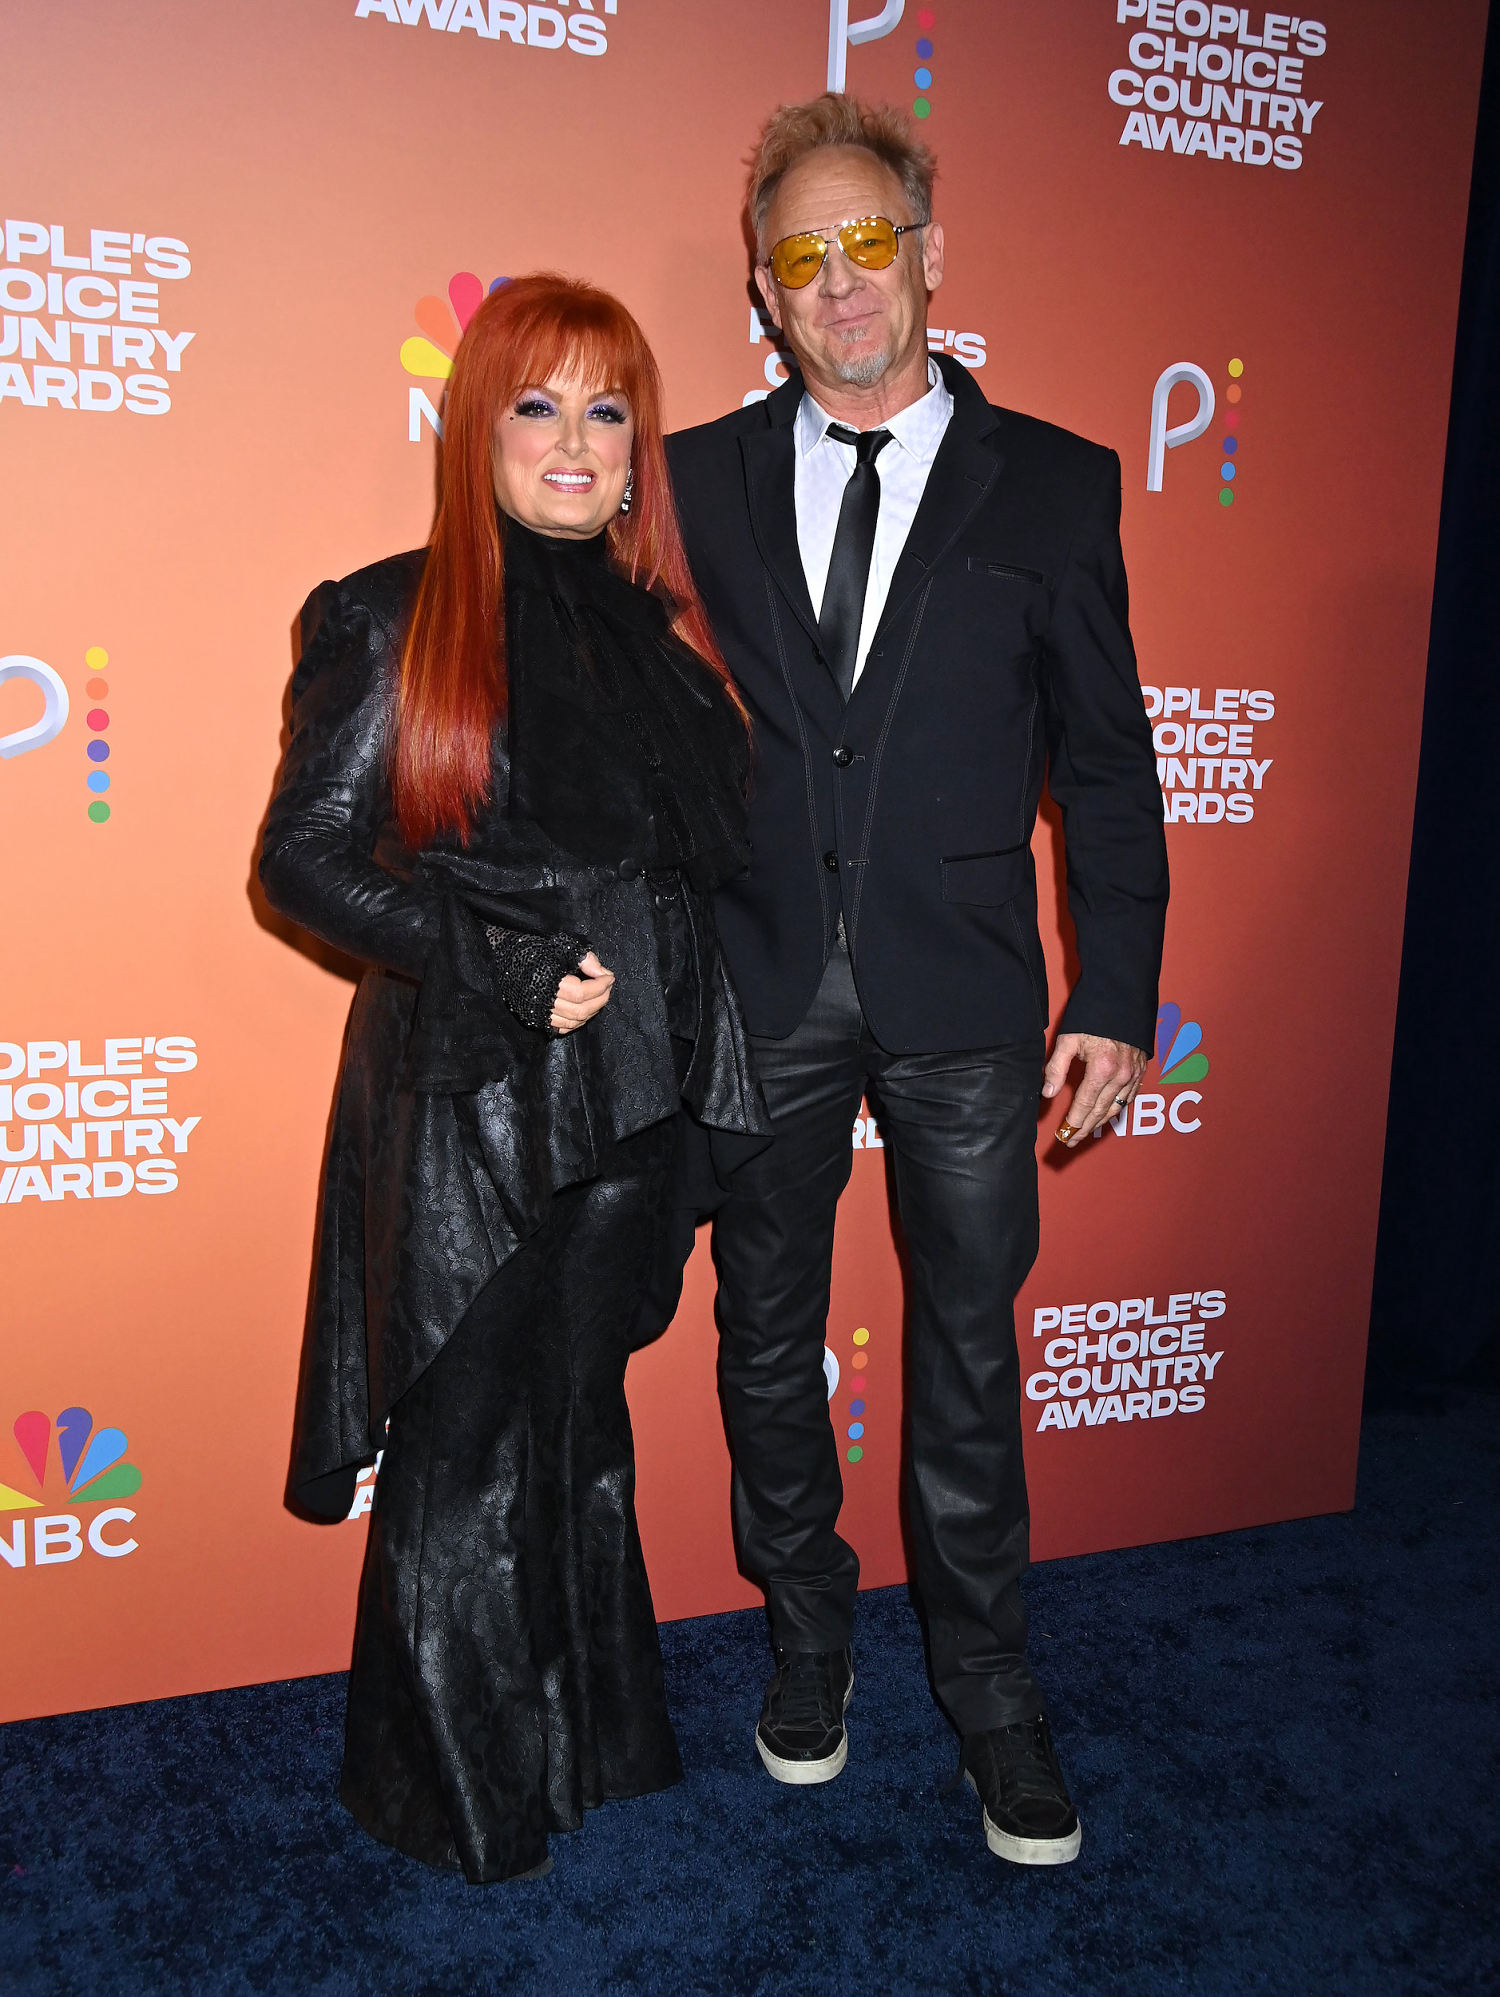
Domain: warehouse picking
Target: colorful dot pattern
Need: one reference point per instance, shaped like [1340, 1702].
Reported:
[96, 688]
[1230, 443]
[855, 1429]
[921, 104]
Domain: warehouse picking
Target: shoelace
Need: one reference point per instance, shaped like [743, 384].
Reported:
[805, 1696]
[1029, 1764]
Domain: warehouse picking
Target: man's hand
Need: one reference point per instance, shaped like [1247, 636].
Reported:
[1112, 1070]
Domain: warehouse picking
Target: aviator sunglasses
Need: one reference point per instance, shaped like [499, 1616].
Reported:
[871, 242]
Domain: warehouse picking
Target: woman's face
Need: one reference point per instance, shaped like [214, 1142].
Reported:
[560, 455]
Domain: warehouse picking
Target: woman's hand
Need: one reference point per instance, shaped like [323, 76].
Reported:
[580, 997]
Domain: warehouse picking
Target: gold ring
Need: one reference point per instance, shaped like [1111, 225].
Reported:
[1064, 1132]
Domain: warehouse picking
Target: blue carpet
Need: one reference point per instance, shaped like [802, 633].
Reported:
[1284, 1744]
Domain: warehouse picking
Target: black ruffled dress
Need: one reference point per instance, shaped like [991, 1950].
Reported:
[495, 1198]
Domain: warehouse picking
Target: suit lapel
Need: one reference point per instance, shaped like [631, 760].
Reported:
[965, 468]
[770, 463]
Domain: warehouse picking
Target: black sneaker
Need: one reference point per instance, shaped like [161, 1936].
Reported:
[1028, 1815]
[801, 1736]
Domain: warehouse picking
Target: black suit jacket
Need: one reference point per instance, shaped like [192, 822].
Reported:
[1003, 654]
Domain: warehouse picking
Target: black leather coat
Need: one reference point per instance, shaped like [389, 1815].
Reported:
[433, 1179]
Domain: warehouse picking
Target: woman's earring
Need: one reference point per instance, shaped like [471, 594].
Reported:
[629, 488]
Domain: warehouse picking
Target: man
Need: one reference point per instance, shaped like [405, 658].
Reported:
[922, 600]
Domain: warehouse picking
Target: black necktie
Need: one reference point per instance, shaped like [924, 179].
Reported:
[853, 544]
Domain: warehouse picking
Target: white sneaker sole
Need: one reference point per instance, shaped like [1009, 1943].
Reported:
[1027, 1851]
[802, 1773]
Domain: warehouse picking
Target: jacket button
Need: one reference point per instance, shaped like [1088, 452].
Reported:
[629, 869]
[831, 862]
[843, 757]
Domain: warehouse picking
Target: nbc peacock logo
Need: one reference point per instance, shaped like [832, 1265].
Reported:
[428, 353]
[1175, 1102]
[1178, 1060]
[70, 1462]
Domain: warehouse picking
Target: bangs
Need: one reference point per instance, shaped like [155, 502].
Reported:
[590, 340]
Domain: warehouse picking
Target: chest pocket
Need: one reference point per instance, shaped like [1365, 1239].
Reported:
[1007, 571]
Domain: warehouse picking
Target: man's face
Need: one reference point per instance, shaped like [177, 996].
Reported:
[850, 326]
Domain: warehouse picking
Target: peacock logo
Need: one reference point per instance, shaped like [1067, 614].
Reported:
[1176, 1102]
[441, 324]
[1178, 1062]
[90, 1466]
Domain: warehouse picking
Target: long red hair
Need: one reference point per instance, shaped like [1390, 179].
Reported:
[452, 684]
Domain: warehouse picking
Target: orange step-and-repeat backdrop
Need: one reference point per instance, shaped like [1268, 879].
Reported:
[239, 247]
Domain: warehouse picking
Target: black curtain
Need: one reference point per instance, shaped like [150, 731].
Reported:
[1436, 1310]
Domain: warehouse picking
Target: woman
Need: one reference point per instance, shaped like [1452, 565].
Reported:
[517, 766]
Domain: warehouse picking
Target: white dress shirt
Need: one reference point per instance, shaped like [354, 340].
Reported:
[823, 470]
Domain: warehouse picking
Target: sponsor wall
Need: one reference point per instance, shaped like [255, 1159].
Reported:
[239, 247]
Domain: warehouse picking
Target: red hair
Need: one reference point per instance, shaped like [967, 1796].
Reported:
[452, 683]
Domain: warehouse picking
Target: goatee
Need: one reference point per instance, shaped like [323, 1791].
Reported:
[865, 372]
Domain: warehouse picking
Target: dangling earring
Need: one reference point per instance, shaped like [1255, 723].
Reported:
[629, 488]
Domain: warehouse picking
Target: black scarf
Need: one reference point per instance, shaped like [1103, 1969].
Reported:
[623, 744]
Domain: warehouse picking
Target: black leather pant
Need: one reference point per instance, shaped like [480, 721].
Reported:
[961, 1132]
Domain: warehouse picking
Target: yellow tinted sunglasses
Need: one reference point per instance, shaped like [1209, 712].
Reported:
[871, 242]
